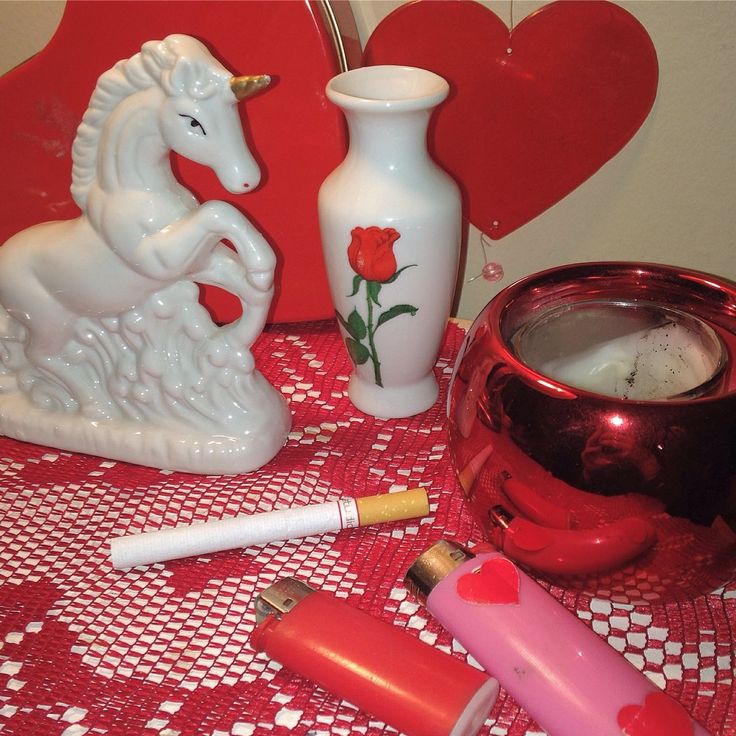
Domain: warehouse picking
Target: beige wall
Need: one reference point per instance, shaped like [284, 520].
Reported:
[25, 27]
[670, 194]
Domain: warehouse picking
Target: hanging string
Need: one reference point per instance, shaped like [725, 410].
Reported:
[509, 49]
[491, 271]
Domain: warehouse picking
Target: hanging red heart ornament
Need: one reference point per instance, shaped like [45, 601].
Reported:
[532, 112]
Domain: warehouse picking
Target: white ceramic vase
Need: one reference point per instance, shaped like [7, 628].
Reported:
[390, 221]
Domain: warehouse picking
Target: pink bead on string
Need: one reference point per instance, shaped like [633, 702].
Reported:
[492, 272]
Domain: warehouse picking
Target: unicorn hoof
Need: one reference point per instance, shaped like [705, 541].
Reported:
[261, 280]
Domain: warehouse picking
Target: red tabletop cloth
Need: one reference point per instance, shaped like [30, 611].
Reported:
[86, 649]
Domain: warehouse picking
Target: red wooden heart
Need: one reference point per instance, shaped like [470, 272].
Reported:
[533, 112]
[659, 716]
[495, 582]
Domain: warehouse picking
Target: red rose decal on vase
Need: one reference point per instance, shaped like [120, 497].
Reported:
[371, 256]
[371, 252]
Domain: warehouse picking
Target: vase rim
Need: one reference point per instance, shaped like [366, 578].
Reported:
[387, 87]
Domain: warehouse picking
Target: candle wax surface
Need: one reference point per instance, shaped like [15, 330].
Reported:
[623, 350]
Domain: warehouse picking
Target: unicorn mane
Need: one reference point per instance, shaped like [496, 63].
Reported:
[179, 65]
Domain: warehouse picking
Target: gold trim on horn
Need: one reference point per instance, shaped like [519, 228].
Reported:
[243, 87]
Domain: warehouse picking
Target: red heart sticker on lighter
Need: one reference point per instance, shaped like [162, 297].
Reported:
[659, 716]
[496, 581]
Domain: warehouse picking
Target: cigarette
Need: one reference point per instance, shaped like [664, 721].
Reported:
[271, 526]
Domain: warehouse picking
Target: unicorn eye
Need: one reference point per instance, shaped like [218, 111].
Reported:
[194, 123]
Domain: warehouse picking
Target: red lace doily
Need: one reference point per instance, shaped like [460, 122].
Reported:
[86, 649]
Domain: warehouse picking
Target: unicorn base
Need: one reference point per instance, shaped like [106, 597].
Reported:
[183, 448]
[160, 385]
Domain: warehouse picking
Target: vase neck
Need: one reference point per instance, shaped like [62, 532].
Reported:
[389, 138]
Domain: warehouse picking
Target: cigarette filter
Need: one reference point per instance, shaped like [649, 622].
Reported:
[559, 670]
[263, 528]
[380, 668]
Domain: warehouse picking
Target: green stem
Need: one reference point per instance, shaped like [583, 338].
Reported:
[371, 343]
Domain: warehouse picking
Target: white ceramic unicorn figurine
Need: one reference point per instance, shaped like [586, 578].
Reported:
[104, 347]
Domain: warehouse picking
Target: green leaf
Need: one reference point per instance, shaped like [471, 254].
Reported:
[357, 326]
[396, 275]
[374, 289]
[395, 311]
[354, 325]
[357, 279]
[343, 322]
[358, 353]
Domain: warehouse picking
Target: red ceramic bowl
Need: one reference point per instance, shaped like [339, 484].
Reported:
[622, 497]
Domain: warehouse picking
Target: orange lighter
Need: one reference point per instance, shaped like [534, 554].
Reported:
[380, 668]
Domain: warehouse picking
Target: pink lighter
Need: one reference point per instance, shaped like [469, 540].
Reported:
[558, 669]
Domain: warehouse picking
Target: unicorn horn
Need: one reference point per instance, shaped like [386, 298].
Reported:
[243, 87]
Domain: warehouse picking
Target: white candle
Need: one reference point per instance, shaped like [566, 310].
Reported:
[637, 352]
